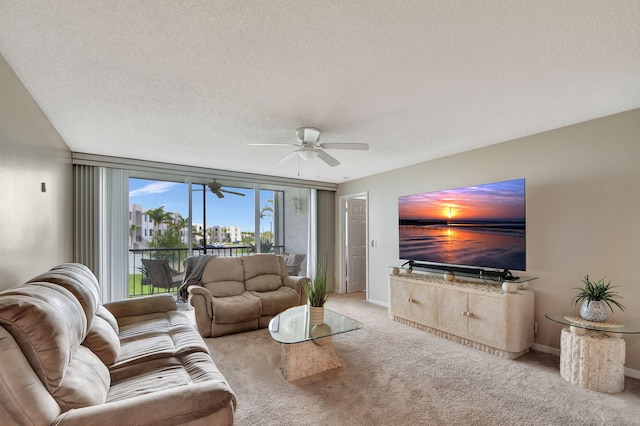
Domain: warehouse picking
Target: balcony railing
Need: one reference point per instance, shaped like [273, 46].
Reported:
[140, 284]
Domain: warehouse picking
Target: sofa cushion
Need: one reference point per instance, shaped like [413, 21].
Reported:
[106, 315]
[194, 375]
[274, 302]
[85, 383]
[47, 325]
[159, 335]
[233, 309]
[103, 341]
[80, 281]
[223, 276]
[262, 272]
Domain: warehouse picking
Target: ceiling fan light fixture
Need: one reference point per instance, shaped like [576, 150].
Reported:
[308, 153]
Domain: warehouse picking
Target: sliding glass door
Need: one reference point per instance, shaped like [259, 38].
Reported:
[170, 220]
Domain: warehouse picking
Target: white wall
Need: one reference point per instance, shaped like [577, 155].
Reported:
[35, 227]
[583, 211]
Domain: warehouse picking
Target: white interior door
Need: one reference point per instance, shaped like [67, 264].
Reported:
[356, 245]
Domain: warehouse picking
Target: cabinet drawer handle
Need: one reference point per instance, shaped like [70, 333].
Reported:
[410, 300]
[469, 314]
[463, 313]
[466, 314]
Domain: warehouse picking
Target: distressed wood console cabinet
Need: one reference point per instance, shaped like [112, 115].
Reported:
[472, 313]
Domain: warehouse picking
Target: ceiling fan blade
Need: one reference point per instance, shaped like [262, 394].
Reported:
[327, 158]
[287, 157]
[232, 192]
[355, 146]
[275, 144]
[218, 193]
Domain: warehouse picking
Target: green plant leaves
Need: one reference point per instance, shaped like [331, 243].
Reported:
[317, 289]
[598, 290]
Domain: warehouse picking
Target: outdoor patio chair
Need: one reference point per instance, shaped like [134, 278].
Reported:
[293, 262]
[162, 275]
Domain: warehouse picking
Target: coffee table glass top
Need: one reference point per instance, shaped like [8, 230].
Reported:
[293, 326]
[574, 320]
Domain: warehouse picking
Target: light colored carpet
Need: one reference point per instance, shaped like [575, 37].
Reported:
[393, 374]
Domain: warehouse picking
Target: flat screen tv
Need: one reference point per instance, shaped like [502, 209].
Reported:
[481, 226]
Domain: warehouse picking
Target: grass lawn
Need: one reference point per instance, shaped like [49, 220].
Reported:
[136, 288]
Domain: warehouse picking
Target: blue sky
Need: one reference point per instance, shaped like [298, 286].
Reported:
[232, 210]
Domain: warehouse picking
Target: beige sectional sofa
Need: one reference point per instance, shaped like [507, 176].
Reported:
[67, 359]
[243, 293]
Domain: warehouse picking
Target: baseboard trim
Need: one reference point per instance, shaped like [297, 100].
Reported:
[377, 302]
[546, 349]
[629, 372]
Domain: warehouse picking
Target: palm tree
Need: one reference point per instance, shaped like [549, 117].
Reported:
[159, 216]
[180, 223]
[267, 210]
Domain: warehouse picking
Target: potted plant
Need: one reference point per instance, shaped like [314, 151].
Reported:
[595, 297]
[317, 292]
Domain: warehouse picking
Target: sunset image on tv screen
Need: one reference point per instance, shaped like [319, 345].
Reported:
[482, 226]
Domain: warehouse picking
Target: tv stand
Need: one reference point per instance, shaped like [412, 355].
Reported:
[474, 313]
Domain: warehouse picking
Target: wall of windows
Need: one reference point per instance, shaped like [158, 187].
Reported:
[173, 220]
[115, 208]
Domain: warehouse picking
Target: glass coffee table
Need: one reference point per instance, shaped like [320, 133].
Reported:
[306, 347]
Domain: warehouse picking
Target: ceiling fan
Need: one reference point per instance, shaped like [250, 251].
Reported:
[309, 147]
[216, 188]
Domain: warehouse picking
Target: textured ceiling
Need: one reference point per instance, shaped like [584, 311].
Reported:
[195, 82]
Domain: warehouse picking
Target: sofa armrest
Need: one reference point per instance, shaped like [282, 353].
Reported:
[142, 306]
[211, 400]
[202, 301]
[296, 283]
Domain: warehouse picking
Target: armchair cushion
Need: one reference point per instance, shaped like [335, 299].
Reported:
[83, 286]
[233, 309]
[47, 326]
[103, 341]
[223, 277]
[262, 272]
[276, 301]
[85, 383]
[104, 313]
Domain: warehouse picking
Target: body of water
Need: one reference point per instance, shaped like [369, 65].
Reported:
[490, 244]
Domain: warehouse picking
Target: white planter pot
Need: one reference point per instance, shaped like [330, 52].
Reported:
[595, 310]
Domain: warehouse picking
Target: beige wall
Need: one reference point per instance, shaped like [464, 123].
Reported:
[35, 227]
[583, 211]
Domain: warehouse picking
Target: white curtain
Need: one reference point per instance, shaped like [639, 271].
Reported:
[101, 226]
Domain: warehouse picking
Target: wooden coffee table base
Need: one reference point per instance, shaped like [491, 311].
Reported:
[305, 359]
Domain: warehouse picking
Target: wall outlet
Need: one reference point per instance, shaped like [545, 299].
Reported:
[535, 326]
